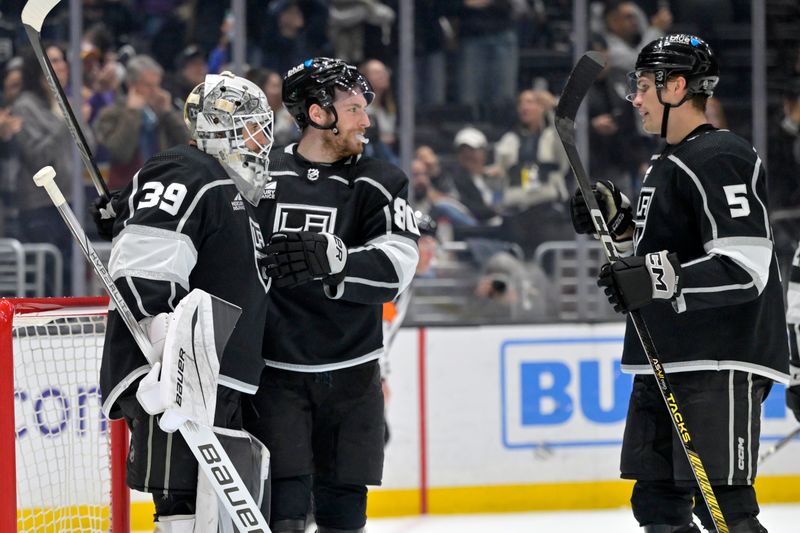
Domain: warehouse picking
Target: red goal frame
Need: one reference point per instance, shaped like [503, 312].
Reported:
[120, 494]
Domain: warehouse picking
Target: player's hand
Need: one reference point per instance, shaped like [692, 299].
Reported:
[793, 391]
[104, 213]
[633, 282]
[616, 208]
[297, 257]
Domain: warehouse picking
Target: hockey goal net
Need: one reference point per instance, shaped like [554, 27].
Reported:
[61, 462]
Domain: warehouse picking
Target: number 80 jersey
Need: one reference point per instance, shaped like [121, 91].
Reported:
[316, 327]
[705, 199]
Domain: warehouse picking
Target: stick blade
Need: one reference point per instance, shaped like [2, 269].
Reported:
[35, 11]
[580, 80]
[44, 176]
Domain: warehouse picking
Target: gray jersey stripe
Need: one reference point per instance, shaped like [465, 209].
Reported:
[376, 185]
[731, 431]
[753, 181]
[701, 190]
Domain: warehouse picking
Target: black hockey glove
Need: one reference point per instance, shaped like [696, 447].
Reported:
[633, 282]
[793, 391]
[297, 257]
[616, 209]
[104, 213]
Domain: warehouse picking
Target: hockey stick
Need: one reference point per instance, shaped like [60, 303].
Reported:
[212, 458]
[579, 82]
[763, 456]
[33, 15]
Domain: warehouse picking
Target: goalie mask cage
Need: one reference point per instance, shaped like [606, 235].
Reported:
[62, 464]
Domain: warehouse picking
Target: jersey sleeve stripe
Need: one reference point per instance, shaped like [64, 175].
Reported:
[376, 185]
[720, 288]
[196, 200]
[753, 254]
[756, 170]
[402, 252]
[373, 283]
[153, 254]
[701, 190]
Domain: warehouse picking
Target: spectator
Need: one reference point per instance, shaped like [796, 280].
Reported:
[535, 167]
[488, 43]
[284, 130]
[784, 175]
[531, 156]
[433, 36]
[285, 39]
[347, 22]
[627, 30]
[509, 289]
[12, 81]
[616, 148]
[43, 139]
[192, 68]
[141, 124]
[383, 110]
[477, 190]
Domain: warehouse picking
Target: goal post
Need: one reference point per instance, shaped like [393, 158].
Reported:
[62, 464]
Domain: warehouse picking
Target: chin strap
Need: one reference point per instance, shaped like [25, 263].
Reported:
[664, 119]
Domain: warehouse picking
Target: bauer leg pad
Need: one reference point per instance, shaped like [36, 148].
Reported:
[175, 524]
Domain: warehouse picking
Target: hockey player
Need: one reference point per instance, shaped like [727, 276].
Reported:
[344, 243]
[793, 319]
[187, 221]
[704, 277]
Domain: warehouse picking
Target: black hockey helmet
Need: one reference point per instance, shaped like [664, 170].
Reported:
[679, 54]
[315, 82]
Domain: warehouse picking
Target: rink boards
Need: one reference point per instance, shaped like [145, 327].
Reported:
[501, 419]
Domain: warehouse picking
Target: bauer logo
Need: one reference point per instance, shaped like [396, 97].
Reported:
[563, 392]
[303, 217]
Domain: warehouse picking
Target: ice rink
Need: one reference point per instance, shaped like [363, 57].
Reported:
[776, 518]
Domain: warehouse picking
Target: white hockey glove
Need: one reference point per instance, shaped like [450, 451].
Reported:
[633, 282]
[156, 329]
[297, 257]
[793, 390]
[616, 208]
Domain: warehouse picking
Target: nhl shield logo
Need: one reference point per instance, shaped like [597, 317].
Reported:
[313, 174]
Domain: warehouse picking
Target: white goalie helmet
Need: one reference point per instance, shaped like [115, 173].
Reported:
[230, 119]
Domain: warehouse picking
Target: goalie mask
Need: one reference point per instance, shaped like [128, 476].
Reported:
[315, 82]
[230, 119]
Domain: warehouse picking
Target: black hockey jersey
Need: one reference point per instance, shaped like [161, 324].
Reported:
[704, 198]
[182, 225]
[314, 327]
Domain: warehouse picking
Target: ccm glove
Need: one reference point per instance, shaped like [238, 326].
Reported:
[616, 208]
[297, 257]
[793, 391]
[104, 213]
[633, 282]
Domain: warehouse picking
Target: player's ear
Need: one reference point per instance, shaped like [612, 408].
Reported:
[318, 114]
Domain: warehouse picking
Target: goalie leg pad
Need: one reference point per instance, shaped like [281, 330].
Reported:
[251, 459]
[175, 524]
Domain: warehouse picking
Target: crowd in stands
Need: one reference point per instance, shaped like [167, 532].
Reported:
[488, 168]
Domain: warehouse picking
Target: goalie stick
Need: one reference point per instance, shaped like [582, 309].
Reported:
[578, 84]
[763, 456]
[33, 15]
[212, 458]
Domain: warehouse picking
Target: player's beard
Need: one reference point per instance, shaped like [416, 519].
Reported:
[345, 144]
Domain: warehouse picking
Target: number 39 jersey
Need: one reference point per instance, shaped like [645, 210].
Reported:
[181, 225]
[704, 198]
[315, 327]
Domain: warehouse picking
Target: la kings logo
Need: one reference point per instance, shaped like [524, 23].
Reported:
[642, 208]
[304, 217]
